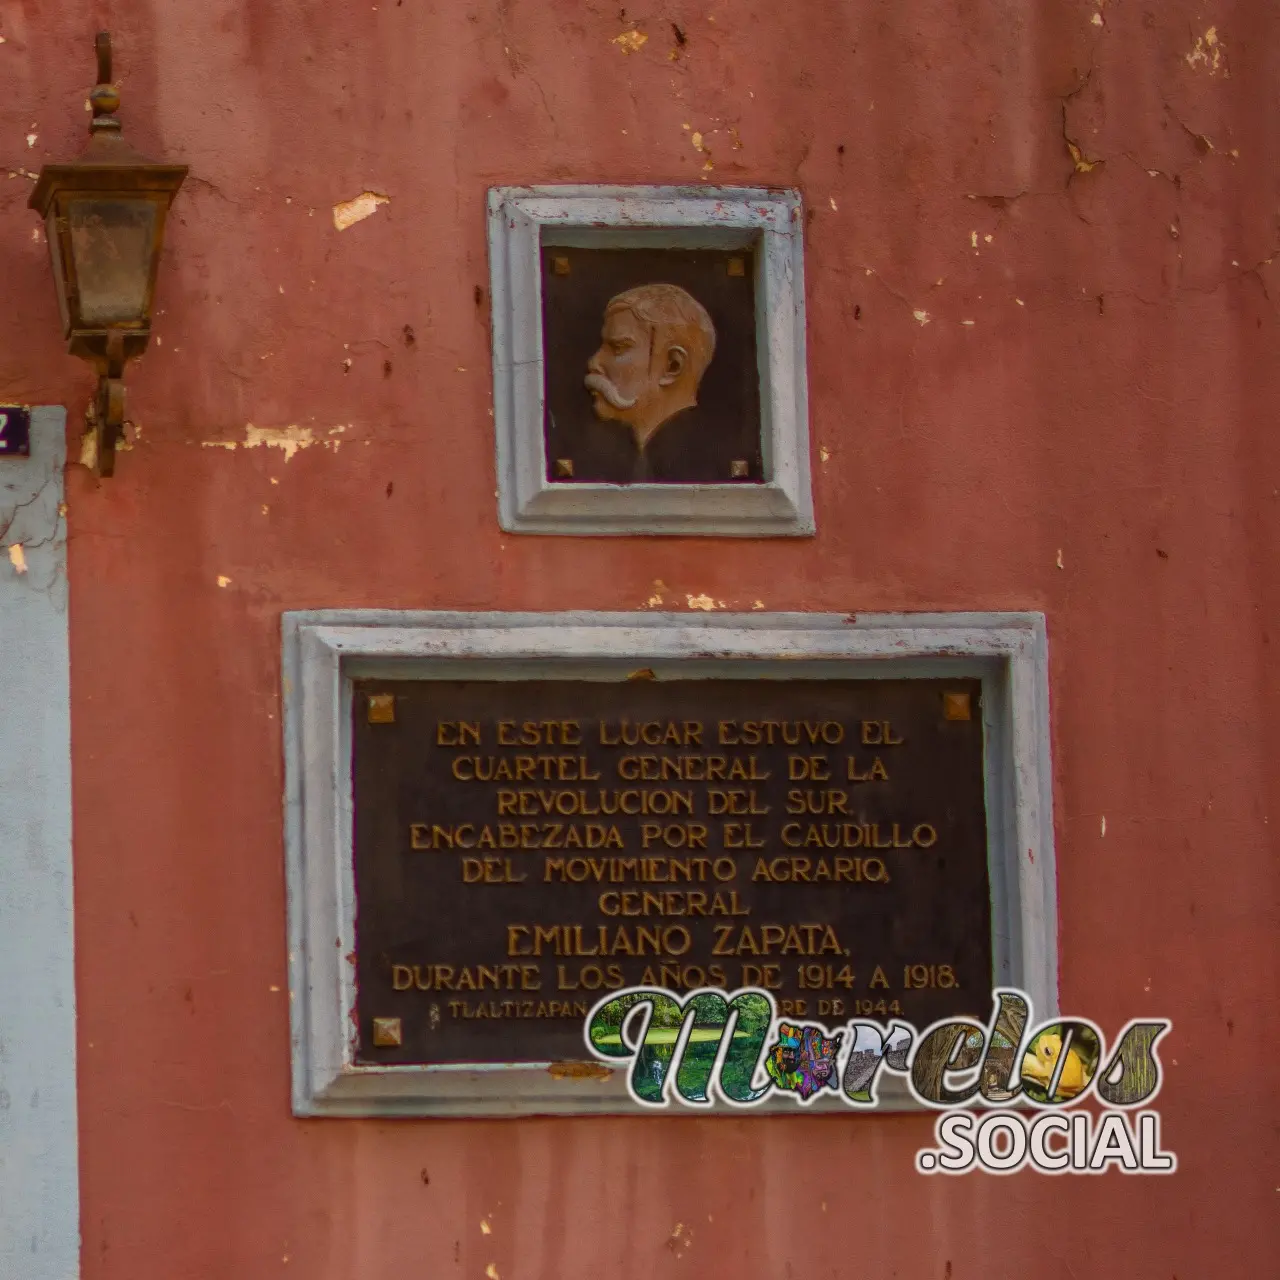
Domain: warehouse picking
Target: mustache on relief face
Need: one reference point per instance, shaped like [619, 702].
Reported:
[599, 383]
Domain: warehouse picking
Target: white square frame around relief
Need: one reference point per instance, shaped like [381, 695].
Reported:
[521, 221]
[325, 650]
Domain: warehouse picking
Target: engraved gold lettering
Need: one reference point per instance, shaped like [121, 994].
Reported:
[458, 733]
[651, 733]
[771, 939]
[739, 835]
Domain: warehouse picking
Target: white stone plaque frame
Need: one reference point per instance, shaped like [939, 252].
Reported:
[325, 651]
[524, 219]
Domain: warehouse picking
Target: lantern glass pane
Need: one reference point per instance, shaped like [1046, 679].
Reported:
[59, 276]
[112, 241]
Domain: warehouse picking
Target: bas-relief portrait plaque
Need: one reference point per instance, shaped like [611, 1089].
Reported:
[650, 360]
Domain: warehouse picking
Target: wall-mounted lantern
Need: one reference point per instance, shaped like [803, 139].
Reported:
[105, 216]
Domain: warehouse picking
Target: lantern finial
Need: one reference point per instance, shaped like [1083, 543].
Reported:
[104, 97]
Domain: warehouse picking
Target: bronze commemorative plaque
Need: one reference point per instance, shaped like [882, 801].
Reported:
[522, 848]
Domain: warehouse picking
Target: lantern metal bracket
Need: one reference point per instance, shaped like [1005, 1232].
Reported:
[108, 417]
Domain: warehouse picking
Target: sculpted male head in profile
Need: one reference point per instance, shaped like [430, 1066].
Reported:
[656, 344]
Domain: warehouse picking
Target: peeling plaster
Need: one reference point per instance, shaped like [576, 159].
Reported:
[700, 146]
[705, 603]
[681, 1238]
[287, 439]
[630, 41]
[1078, 158]
[89, 450]
[348, 212]
[1209, 52]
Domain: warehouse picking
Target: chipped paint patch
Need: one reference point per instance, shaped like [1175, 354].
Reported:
[223, 581]
[824, 454]
[347, 213]
[492, 1271]
[287, 439]
[680, 1239]
[705, 603]
[1078, 159]
[656, 600]
[485, 1227]
[630, 41]
[1208, 52]
[922, 317]
[89, 450]
[17, 557]
[700, 146]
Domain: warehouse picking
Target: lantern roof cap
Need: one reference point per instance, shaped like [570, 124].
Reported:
[108, 163]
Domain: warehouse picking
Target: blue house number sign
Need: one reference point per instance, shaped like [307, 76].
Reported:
[15, 431]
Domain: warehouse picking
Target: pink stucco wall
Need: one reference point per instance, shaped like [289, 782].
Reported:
[1034, 384]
